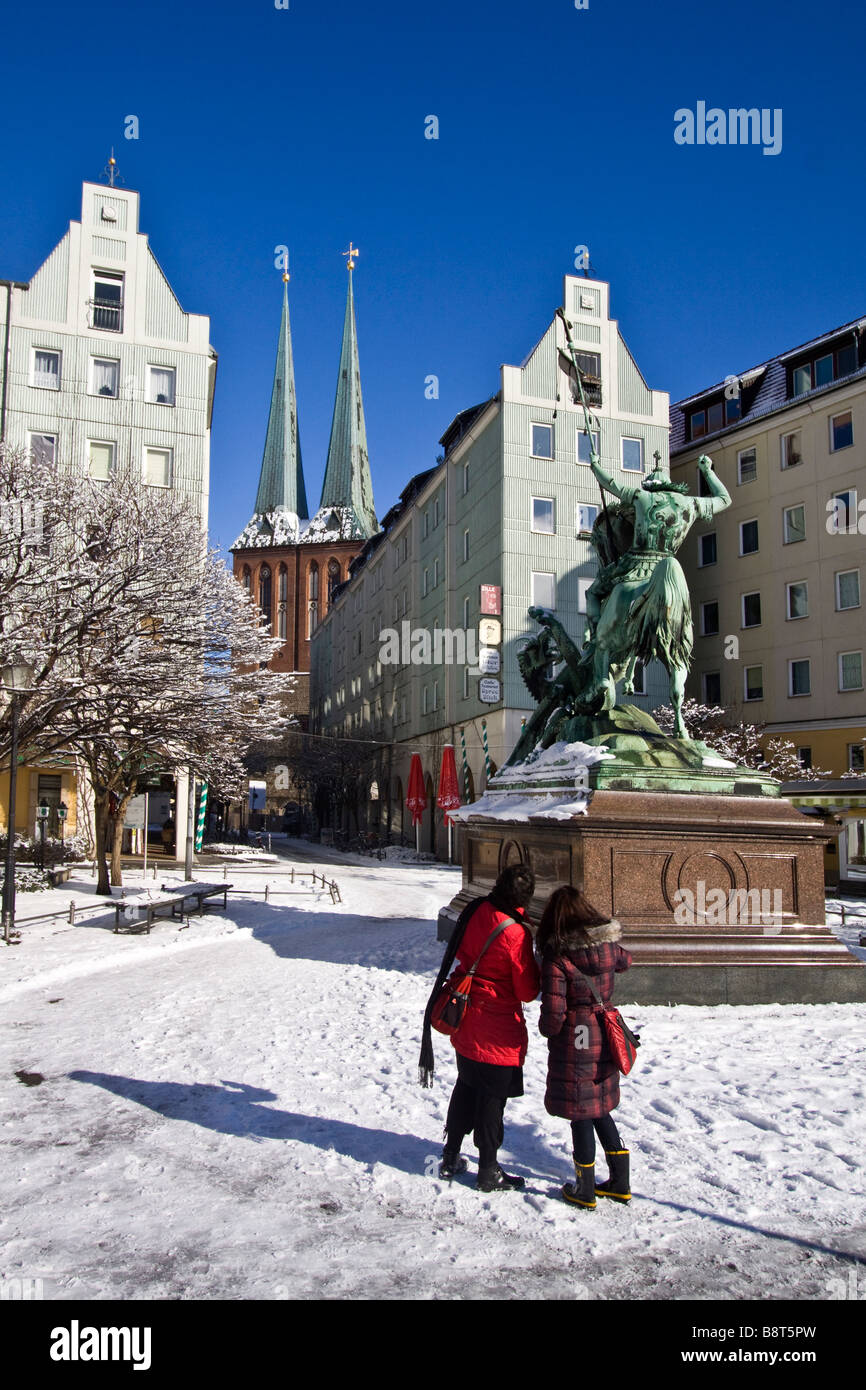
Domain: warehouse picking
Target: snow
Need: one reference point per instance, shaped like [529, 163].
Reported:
[230, 1110]
[551, 783]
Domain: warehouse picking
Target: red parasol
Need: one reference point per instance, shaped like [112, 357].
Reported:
[417, 797]
[449, 789]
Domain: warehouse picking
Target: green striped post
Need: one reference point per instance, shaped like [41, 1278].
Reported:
[199, 825]
[466, 787]
[486, 752]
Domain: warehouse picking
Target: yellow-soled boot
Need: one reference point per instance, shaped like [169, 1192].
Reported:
[617, 1184]
[582, 1192]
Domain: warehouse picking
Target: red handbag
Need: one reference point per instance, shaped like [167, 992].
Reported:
[623, 1043]
[450, 1008]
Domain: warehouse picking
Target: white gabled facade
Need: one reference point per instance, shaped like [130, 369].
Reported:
[103, 366]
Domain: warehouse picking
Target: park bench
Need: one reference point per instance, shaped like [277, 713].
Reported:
[133, 906]
[179, 892]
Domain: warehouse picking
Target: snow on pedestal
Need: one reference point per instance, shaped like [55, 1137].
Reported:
[551, 784]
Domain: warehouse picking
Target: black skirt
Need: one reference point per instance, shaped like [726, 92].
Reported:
[503, 1082]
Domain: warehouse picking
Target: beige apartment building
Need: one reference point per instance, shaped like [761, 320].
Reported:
[777, 578]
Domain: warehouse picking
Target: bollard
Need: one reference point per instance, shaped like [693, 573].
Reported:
[225, 872]
[266, 892]
[71, 912]
[293, 873]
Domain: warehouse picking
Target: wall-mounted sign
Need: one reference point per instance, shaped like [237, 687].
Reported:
[488, 661]
[491, 598]
[489, 632]
[488, 691]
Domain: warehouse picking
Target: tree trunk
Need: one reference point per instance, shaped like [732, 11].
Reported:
[117, 840]
[100, 822]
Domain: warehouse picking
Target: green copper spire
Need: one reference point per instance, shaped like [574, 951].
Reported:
[347, 486]
[281, 484]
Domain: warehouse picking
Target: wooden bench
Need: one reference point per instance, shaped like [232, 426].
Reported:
[138, 904]
[179, 892]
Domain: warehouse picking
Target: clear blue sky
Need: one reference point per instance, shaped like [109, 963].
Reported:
[305, 126]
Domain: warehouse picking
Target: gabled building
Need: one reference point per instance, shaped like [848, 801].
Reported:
[501, 523]
[105, 370]
[776, 580]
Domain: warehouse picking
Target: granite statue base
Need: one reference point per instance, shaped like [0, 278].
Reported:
[721, 898]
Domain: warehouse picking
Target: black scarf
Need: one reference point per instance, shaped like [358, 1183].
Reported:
[426, 1060]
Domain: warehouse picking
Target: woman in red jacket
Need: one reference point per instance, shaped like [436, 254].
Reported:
[492, 1040]
[574, 941]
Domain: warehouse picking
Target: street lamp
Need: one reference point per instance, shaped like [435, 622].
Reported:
[62, 813]
[43, 811]
[17, 681]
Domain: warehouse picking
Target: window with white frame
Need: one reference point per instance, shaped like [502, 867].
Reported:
[541, 441]
[104, 376]
[582, 591]
[850, 670]
[792, 451]
[710, 618]
[157, 471]
[799, 678]
[842, 513]
[707, 552]
[43, 447]
[465, 478]
[586, 445]
[46, 369]
[632, 454]
[793, 525]
[585, 517]
[847, 589]
[748, 537]
[107, 303]
[435, 512]
[466, 614]
[841, 431]
[435, 571]
[711, 687]
[100, 459]
[425, 525]
[465, 545]
[797, 599]
[747, 466]
[543, 589]
[542, 515]
[753, 683]
[751, 610]
[161, 385]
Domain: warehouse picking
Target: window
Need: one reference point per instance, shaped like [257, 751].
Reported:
[751, 610]
[747, 466]
[821, 370]
[160, 385]
[465, 478]
[46, 369]
[632, 455]
[543, 590]
[466, 613]
[542, 515]
[842, 513]
[586, 445]
[847, 589]
[753, 681]
[43, 447]
[713, 416]
[435, 513]
[246, 579]
[104, 376]
[435, 694]
[465, 545]
[465, 682]
[335, 578]
[265, 593]
[282, 599]
[425, 696]
[850, 670]
[799, 679]
[856, 758]
[585, 518]
[711, 684]
[435, 571]
[425, 526]
[841, 431]
[797, 599]
[804, 758]
[157, 467]
[710, 618]
[792, 452]
[707, 549]
[100, 459]
[793, 525]
[425, 583]
[106, 307]
[542, 441]
[748, 537]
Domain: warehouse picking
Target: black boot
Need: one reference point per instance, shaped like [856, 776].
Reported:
[617, 1184]
[494, 1180]
[582, 1192]
[452, 1163]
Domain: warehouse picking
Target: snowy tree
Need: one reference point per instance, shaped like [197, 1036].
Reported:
[147, 652]
[742, 743]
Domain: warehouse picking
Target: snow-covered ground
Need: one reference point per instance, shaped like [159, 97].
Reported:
[230, 1109]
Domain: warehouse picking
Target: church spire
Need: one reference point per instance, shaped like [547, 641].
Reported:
[347, 490]
[281, 484]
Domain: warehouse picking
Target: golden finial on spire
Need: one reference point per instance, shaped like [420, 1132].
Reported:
[351, 253]
[110, 171]
[285, 277]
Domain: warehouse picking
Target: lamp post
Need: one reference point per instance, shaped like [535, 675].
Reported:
[16, 681]
[62, 813]
[43, 811]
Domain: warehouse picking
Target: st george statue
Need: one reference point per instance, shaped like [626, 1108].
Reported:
[637, 608]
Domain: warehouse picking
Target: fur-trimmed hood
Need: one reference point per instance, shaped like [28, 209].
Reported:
[608, 931]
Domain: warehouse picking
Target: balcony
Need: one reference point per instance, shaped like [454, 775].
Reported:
[105, 315]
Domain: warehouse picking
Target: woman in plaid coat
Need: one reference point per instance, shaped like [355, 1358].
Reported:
[573, 941]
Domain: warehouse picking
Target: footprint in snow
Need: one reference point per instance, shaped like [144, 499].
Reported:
[30, 1078]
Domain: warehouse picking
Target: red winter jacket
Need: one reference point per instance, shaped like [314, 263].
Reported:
[493, 1029]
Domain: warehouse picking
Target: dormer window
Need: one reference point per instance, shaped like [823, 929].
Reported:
[713, 416]
[824, 367]
[106, 306]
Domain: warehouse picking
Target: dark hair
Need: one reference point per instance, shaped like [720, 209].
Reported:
[515, 885]
[568, 913]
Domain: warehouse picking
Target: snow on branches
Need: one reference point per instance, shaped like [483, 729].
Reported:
[738, 741]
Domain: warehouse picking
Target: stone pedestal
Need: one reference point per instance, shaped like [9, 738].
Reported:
[753, 930]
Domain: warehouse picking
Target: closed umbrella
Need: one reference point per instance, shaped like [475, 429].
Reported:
[449, 790]
[417, 797]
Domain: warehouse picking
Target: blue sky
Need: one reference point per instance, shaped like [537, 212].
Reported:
[305, 126]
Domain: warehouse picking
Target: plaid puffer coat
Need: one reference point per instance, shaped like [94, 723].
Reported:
[582, 1078]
